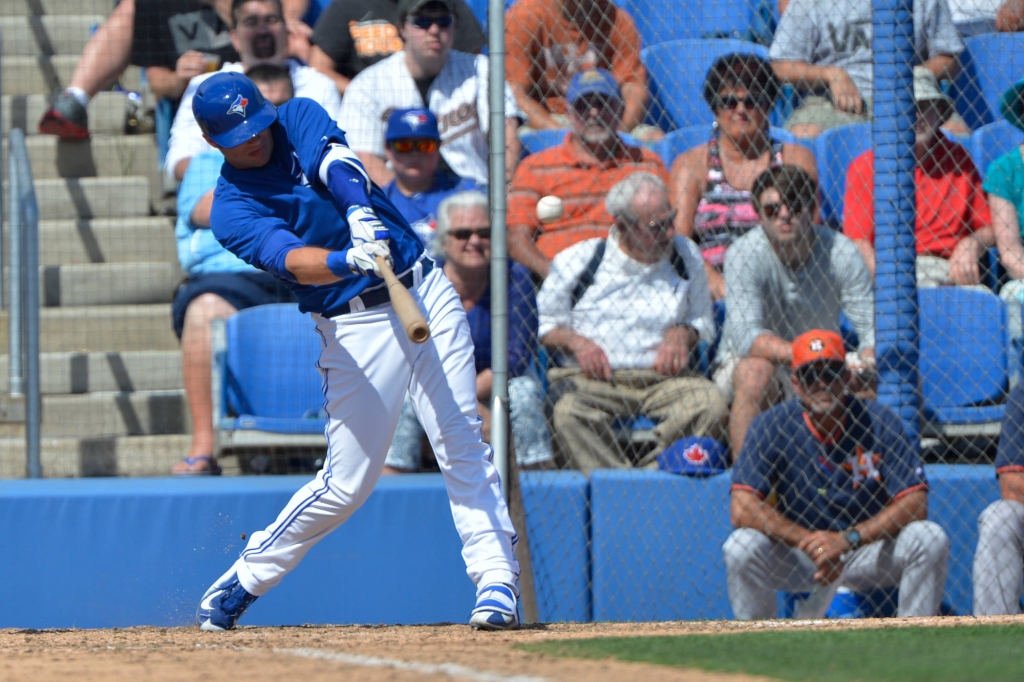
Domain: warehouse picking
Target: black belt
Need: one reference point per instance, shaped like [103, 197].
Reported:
[377, 296]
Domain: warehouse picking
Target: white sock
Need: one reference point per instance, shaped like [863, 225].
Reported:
[78, 93]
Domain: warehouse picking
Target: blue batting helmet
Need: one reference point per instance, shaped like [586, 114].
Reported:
[230, 109]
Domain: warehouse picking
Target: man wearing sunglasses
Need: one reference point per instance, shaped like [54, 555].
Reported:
[850, 497]
[783, 278]
[414, 153]
[428, 73]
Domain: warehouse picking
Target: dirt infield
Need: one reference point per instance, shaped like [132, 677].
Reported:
[357, 653]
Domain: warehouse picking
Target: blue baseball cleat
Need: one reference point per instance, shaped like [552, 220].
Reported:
[496, 608]
[223, 604]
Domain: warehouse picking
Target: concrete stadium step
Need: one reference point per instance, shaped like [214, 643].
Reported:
[92, 198]
[96, 284]
[75, 373]
[102, 328]
[48, 35]
[107, 240]
[111, 456]
[115, 413]
[12, 8]
[107, 112]
[40, 75]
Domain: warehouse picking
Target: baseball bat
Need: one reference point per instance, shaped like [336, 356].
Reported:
[408, 312]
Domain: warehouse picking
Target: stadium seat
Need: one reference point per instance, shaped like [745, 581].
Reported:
[539, 140]
[834, 150]
[990, 64]
[964, 361]
[661, 21]
[266, 387]
[990, 142]
[678, 141]
[675, 76]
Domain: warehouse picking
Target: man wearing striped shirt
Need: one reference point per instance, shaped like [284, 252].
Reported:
[580, 171]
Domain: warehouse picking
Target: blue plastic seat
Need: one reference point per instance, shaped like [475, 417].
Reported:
[834, 150]
[661, 21]
[990, 64]
[990, 142]
[678, 141]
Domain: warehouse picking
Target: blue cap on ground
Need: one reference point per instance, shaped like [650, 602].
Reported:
[404, 124]
[592, 82]
[231, 110]
[694, 456]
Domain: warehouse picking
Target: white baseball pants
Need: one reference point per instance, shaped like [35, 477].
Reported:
[757, 566]
[368, 364]
[999, 559]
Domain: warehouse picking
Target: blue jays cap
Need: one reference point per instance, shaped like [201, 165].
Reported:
[592, 82]
[693, 456]
[404, 124]
[231, 110]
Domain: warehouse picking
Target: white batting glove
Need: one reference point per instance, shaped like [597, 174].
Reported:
[361, 258]
[365, 226]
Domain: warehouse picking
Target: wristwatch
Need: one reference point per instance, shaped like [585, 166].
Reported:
[853, 537]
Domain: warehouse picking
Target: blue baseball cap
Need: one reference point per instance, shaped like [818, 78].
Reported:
[404, 124]
[592, 82]
[694, 456]
[231, 110]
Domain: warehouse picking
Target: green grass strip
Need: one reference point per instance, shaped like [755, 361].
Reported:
[936, 654]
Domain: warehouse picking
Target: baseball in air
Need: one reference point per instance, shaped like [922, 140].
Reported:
[549, 209]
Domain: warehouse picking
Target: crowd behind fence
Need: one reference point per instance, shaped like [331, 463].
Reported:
[779, 242]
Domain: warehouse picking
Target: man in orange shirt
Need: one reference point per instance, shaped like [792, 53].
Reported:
[580, 171]
[548, 42]
[953, 226]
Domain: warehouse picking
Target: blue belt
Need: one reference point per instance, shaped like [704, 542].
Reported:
[378, 295]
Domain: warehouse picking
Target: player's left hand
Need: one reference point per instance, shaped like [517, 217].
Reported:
[362, 259]
[826, 550]
[365, 226]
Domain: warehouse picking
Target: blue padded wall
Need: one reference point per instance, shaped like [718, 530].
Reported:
[657, 546]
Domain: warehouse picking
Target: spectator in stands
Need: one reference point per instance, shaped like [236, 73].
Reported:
[580, 171]
[413, 148]
[1004, 183]
[351, 36]
[464, 240]
[851, 496]
[782, 279]
[953, 225]
[428, 73]
[218, 284]
[998, 567]
[550, 42]
[623, 315]
[173, 40]
[260, 36]
[711, 182]
[824, 50]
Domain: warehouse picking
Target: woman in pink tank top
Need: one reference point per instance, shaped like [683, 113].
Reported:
[710, 183]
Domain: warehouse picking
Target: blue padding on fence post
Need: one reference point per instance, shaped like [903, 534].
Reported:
[557, 523]
[893, 138]
[657, 546]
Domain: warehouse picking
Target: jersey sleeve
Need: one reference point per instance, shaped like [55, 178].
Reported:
[243, 226]
[310, 130]
[754, 468]
[858, 201]
[901, 467]
[1010, 455]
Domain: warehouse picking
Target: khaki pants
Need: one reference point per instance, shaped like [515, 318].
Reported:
[584, 414]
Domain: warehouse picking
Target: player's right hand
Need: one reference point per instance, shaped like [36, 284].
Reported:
[361, 258]
[365, 226]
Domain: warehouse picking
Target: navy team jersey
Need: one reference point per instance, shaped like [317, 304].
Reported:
[822, 484]
[1010, 456]
[286, 194]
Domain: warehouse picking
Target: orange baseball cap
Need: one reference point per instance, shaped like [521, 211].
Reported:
[816, 345]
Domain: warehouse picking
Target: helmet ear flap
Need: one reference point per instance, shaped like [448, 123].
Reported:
[230, 109]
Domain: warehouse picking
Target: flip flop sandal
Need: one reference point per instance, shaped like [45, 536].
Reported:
[212, 470]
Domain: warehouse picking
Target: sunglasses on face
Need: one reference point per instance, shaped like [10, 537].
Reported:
[583, 105]
[750, 102]
[810, 375]
[424, 23]
[465, 234]
[423, 146]
[795, 206]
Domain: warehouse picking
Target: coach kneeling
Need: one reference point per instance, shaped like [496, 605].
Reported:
[850, 497]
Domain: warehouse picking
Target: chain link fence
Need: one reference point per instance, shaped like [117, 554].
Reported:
[691, 188]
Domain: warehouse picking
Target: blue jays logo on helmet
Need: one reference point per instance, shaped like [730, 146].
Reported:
[238, 106]
[230, 109]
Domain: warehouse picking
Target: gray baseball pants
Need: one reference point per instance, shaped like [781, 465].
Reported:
[999, 559]
[757, 567]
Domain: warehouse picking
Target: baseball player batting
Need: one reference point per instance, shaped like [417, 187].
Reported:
[295, 201]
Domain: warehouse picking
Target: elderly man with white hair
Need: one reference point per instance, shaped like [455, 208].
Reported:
[463, 239]
[622, 316]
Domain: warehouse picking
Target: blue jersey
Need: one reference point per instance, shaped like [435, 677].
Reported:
[1010, 456]
[522, 323]
[252, 204]
[421, 208]
[825, 484]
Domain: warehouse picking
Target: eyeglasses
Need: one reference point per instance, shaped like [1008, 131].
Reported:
[421, 145]
[810, 375]
[796, 207]
[661, 224]
[465, 234]
[424, 22]
[584, 104]
[751, 102]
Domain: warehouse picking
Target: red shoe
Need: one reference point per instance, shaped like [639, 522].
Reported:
[67, 119]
